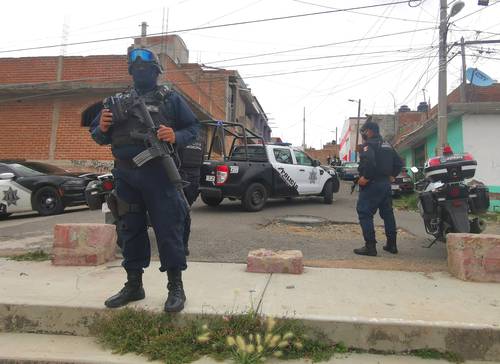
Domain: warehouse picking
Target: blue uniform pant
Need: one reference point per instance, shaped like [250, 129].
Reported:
[376, 195]
[148, 186]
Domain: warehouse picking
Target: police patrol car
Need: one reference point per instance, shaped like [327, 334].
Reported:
[27, 186]
[253, 173]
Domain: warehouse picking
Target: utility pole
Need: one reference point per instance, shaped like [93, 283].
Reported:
[442, 122]
[304, 129]
[357, 131]
[463, 90]
[144, 27]
[336, 137]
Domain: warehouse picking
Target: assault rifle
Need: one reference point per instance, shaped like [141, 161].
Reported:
[156, 147]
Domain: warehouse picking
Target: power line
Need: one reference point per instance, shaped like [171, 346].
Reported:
[62, 92]
[338, 67]
[321, 45]
[331, 56]
[367, 14]
[477, 11]
[213, 26]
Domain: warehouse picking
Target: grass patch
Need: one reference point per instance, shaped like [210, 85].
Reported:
[36, 256]
[490, 216]
[406, 202]
[434, 354]
[246, 339]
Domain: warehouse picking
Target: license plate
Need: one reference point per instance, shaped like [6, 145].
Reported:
[210, 178]
[105, 208]
[394, 187]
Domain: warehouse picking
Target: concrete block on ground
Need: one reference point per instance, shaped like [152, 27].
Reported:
[474, 257]
[280, 261]
[83, 244]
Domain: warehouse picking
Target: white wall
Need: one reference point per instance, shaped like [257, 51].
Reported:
[482, 139]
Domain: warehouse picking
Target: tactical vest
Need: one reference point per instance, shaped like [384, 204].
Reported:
[191, 156]
[160, 108]
[384, 157]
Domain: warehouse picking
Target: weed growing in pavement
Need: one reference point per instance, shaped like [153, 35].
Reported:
[36, 256]
[247, 338]
[406, 202]
[434, 354]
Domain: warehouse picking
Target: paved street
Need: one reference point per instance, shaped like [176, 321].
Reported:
[226, 234]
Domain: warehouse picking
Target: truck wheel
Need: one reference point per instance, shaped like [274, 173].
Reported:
[211, 201]
[47, 201]
[328, 193]
[255, 197]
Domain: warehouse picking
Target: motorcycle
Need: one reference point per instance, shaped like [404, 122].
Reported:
[97, 190]
[446, 201]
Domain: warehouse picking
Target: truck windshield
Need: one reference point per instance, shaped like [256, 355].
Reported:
[256, 153]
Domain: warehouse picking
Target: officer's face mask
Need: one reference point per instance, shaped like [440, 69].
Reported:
[145, 76]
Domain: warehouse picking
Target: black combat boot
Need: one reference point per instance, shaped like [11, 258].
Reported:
[391, 246]
[132, 291]
[369, 249]
[176, 297]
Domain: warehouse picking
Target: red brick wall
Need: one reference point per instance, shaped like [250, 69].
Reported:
[25, 129]
[26, 125]
[74, 141]
[27, 70]
[409, 121]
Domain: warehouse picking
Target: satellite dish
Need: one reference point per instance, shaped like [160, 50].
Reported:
[478, 78]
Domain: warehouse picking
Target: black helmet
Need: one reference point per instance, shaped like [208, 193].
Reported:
[370, 125]
[144, 55]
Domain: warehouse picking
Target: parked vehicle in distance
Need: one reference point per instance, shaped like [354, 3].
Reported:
[348, 171]
[42, 187]
[253, 171]
[402, 183]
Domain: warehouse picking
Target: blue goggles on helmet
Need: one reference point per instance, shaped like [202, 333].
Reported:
[144, 54]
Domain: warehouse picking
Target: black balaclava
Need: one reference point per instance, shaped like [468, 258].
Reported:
[145, 76]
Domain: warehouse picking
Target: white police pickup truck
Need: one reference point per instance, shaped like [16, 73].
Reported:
[253, 173]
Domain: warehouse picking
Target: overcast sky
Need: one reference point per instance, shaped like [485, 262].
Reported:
[319, 62]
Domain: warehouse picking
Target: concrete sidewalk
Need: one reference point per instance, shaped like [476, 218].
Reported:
[59, 349]
[382, 310]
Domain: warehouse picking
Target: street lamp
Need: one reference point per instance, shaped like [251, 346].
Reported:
[442, 122]
[357, 129]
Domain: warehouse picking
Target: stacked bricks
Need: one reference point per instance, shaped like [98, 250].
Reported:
[83, 244]
[474, 257]
[281, 261]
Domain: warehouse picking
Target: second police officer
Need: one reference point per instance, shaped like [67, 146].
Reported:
[147, 189]
[379, 164]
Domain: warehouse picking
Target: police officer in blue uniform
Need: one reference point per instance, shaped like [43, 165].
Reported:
[379, 164]
[147, 189]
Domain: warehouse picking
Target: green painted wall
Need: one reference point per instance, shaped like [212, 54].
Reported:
[407, 156]
[455, 138]
[456, 141]
[494, 204]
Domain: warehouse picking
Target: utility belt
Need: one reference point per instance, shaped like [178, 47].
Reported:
[125, 164]
[119, 207]
[381, 179]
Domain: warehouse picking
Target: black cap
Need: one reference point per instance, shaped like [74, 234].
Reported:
[370, 125]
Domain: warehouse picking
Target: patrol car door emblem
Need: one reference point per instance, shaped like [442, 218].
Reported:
[313, 176]
[10, 196]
